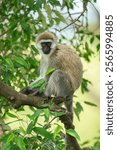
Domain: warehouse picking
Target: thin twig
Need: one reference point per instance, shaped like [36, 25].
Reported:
[73, 21]
[3, 33]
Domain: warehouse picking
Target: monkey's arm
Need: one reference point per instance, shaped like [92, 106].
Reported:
[32, 89]
[32, 83]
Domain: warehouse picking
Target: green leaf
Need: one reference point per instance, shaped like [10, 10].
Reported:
[55, 2]
[20, 143]
[42, 19]
[47, 114]
[43, 132]
[22, 130]
[10, 138]
[35, 49]
[89, 103]
[30, 127]
[39, 3]
[5, 137]
[32, 62]
[25, 26]
[1, 26]
[13, 25]
[88, 50]
[59, 16]
[69, 3]
[51, 70]
[34, 119]
[11, 115]
[21, 61]
[57, 20]
[42, 87]
[57, 130]
[92, 39]
[9, 62]
[73, 133]
[15, 35]
[98, 47]
[98, 37]
[86, 56]
[36, 114]
[84, 85]
[48, 10]
[78, 109]
[57, 114]
[85, 143]
[38, 83]
[6, 146]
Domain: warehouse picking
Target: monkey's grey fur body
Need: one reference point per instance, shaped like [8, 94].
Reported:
[67, 76]
[68, 71]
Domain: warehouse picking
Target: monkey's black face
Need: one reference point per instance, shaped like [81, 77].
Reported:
[46, 47]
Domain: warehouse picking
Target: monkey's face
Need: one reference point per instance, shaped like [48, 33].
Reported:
[46, 47]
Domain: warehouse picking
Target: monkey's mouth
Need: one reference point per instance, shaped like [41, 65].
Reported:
[46, 50]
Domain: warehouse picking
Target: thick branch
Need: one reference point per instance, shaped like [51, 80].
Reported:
[71, 142]
[18, 99]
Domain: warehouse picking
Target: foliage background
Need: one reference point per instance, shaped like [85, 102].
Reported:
[20, 22]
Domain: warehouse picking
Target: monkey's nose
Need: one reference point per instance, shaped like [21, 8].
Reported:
[46, 50]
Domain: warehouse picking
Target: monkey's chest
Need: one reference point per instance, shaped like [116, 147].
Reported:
[43, 72]
[43, 69]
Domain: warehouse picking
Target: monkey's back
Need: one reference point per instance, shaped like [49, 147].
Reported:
[67, 60]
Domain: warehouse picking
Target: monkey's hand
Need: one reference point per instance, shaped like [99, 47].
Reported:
[29, 91]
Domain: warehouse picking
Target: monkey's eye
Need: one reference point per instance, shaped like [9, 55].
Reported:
[48, 44]
[43, 44]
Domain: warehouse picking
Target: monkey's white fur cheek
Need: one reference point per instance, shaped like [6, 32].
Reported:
[38, 46]
[53, 45]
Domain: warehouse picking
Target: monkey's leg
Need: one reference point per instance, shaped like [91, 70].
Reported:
[59, 85]
[69, 106]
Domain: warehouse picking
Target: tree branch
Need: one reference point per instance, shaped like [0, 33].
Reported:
[73, 21]
[1, 129]
[18, 99]
[3, 33]
[71, 142]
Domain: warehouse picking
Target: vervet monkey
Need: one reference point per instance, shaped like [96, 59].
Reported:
[68, 68]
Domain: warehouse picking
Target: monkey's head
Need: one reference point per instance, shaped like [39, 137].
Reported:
[46, 42]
